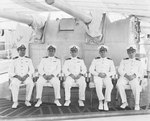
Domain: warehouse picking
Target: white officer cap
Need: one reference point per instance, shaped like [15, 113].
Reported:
[102, 47]
[131, 47]
[50, 46]
[21, 45]
[74, 47]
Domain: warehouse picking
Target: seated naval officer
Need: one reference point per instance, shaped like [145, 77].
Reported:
[102, 68]
[74, 70]
[130, 71]
[20, 71]
[49, 69]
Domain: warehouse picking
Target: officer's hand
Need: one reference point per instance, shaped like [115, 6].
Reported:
[102, 75]
[18, 77]
[78, 76]
[72, 76]
[45, 77]
[49, 77]
[129, 77]
[133, 76]
[25, 77]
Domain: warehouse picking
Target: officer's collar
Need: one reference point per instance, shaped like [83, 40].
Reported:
[21, 57]
[132, 58]
[73, 57]
[103, 58]
[51, 57]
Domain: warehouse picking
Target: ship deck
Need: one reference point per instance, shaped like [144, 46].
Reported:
[49, 111]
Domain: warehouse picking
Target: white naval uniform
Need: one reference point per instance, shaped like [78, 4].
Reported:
[74, 66]
[103, 65]
[48, 66]
[21, 66]
[130, 67]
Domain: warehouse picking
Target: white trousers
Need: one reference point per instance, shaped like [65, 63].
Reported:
[99, 84]
[55, 82]
[135, 87]
[14, 87]
[68, 84]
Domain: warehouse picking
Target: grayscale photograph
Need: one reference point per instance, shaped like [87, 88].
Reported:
[82, 60]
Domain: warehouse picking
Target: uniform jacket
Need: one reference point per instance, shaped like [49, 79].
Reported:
[74, 66]
[102, 65]
[50, 65]
[21, 66]
[131, 66]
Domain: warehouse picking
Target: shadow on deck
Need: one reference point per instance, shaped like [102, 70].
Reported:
[49, 111]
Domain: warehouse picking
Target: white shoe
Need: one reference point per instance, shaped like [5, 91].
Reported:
[137, 107]
[15, 104]
[106, 106]
[57, 102]
[27, 103]
[124, 105]
[81, 104]
[67, 103]
[101, 107]
[39, 102]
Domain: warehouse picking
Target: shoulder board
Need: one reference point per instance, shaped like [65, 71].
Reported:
[45, 57]
[15, 57]
[109, 58]
[97, 57]
[68, 59]
[26, 57]
[137, 59]
[125, 58]
[78, 57]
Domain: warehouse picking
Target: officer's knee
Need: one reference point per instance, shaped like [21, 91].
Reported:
[96, 78]
[31, 84]
[109, 86]
[68, 78]
[82, 78]
[13, 84]
[55, 81]
[39, 81]
[136, 87]
[119, 83]
[82, 84]
[67, 84]
[29, 80]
